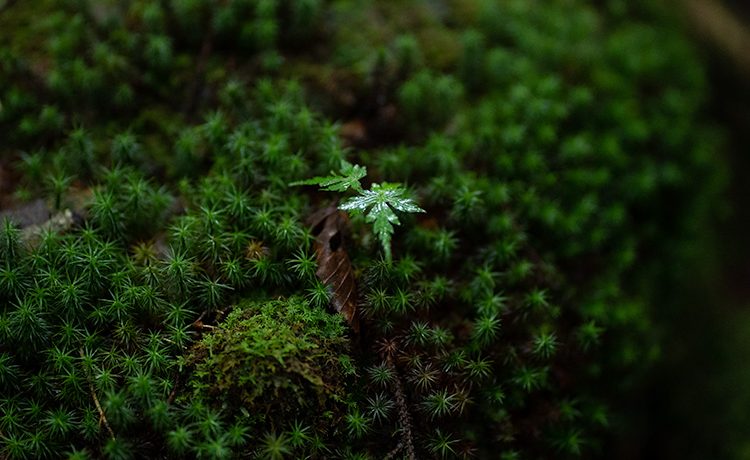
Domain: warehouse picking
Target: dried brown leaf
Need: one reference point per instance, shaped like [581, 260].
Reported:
[334, 266]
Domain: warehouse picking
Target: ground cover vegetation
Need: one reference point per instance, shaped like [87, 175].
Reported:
[516, 174]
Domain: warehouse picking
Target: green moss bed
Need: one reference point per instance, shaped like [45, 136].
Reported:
[158, 287]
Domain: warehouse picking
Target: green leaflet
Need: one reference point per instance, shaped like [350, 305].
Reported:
[378, 203]
[349, 177]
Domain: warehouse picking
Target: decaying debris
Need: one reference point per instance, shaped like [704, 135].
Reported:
[37, 217]
[334, 266]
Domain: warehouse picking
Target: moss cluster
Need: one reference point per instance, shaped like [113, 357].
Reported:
[559, 157]
[275, 361]
[111, 304]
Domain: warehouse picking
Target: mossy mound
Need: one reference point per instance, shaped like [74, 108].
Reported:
[278, 360]
[561, 160]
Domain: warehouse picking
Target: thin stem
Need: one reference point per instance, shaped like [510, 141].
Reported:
[403, 415]
[102, 417]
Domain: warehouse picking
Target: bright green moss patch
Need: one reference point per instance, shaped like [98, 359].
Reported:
[279, 360]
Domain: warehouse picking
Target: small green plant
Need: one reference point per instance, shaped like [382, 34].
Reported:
[377, 204]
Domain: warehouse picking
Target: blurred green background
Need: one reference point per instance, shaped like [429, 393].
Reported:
[696, 403]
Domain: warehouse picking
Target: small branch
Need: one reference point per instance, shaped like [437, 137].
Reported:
[102, 417]
[174, 390]
[403, 415]
[395, 451]
[199, 325]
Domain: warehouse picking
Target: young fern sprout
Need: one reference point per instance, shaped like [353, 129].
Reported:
[377, 204]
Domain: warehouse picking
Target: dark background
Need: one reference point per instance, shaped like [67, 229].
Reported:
[696, 404]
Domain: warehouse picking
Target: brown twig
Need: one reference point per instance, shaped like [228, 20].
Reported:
[407, 442]
[174, 390]
[395, 451]
[199, 325]
[102, 417]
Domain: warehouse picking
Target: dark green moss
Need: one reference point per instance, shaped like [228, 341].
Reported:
[562, 160]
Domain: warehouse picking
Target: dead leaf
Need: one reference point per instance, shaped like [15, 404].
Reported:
[334, 266]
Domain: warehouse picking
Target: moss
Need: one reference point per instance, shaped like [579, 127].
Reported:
[280, 360]
[557, 156]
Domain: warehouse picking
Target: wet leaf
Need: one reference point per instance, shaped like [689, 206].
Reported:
[376, 204]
